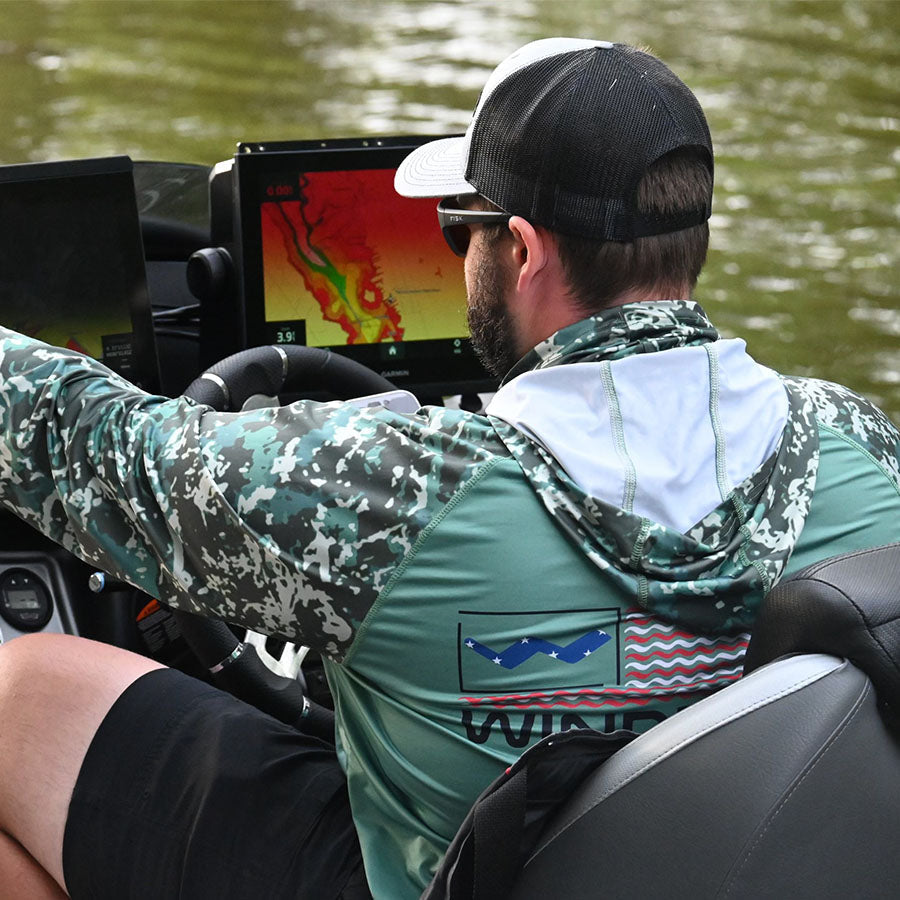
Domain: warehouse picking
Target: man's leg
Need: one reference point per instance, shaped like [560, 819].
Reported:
[55, 691]
[21, 876]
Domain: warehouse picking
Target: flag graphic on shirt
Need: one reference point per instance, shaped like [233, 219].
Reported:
[668, 660]
[537, 650]
[641, 661]
[521, 651]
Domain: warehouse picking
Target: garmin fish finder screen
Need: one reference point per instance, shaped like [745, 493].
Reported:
[347, 264]
[351, 262]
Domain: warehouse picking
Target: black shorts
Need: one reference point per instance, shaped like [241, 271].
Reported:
[186, 792]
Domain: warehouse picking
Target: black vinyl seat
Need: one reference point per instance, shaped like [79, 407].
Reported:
[785, 784]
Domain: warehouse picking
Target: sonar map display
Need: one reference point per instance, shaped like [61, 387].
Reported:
[347, 261]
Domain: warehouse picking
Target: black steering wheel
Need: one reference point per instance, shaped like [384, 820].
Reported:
[267, 372]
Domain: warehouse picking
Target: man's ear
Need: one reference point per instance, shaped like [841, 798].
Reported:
[529, 252]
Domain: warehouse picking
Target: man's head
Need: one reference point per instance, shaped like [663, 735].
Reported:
[602, 150]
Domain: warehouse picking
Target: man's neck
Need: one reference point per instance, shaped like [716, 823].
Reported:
[558, 315]
[541, 300]
[643, 295]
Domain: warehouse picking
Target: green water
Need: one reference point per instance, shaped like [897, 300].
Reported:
[802, 99]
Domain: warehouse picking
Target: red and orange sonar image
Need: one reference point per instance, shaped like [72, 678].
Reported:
[358, 263]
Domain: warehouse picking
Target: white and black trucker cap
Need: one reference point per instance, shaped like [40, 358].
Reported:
[563, 132]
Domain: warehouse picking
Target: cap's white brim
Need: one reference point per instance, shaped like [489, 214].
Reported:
[436, 169]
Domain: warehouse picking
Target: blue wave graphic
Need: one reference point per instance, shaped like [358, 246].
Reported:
[520, 652]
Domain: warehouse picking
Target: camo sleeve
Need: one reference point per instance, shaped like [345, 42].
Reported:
[287, 520]
[846, 412]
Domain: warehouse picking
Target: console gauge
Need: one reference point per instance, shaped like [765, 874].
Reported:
[24, 600]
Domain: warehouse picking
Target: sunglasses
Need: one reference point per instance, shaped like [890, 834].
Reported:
[455, 224]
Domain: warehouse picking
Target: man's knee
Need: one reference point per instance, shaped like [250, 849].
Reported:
[21, 661]
[30, 683]
[32, 664]
[57, 687]
[55, 690]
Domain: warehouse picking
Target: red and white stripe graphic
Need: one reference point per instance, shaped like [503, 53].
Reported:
[668, 659]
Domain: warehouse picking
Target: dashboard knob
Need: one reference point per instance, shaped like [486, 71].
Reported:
[209, 273]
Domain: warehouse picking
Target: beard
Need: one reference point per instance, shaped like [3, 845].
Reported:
[490, 325]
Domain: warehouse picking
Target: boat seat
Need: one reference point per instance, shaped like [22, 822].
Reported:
[784, 784]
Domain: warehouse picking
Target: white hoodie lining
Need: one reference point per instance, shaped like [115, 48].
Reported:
[668, 417]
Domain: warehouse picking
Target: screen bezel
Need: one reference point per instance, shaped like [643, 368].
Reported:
[254, 163]
[145, 363]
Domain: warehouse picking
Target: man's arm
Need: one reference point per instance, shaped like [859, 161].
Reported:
[287, 520]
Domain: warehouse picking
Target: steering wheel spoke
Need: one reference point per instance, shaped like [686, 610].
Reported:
[288, 664]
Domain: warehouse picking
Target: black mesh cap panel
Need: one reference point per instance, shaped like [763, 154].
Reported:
[564, 141]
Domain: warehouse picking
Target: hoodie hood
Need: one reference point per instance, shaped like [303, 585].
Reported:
[675, 462]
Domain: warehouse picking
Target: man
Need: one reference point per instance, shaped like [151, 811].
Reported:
[589, 553]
